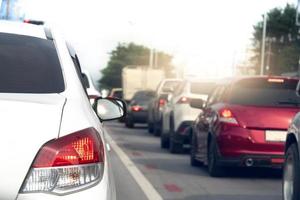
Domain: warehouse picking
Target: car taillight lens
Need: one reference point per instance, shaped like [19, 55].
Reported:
[162, 102]
[66, 164]
[136, 108]
[227, 116]
[183, 100]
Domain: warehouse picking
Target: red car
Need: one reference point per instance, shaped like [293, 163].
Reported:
[244, 123]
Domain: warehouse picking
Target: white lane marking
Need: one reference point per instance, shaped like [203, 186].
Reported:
[141, 180]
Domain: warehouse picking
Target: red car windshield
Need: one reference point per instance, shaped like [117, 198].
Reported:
[265, 92]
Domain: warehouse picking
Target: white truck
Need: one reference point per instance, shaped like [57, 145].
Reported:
[135, 78]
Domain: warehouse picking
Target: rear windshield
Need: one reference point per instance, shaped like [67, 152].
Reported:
[118, 94]
[29, 65]
[171, 84]
[202, 88]
[265, 92]
[144, 95]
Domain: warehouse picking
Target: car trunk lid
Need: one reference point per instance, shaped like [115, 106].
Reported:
[27, 122]
[265, 118]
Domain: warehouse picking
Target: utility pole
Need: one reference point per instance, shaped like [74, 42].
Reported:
[155, 59]
[262, 62]
[269, 54]
[151, 59]
[7, 9]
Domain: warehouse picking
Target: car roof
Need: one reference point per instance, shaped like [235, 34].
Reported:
[19, 28]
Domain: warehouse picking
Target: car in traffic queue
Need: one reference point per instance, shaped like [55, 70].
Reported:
[244, 123]
[137, 111]
[53, 143]
[165, 87]
[291, 168]
[178, 114]
[117, 93]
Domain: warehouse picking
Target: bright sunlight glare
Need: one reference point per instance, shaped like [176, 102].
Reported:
[206, 38]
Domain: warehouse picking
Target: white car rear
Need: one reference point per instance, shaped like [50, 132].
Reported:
[53, 144]
[180, 114]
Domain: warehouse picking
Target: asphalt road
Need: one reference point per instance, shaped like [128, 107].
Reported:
[173, 177]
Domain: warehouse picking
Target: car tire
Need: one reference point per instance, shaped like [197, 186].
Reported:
[157, 129]
[193, 161]
[129, 123]
[175, 147]
[291, 174]
[214, 169]
[164, 142]
[150, 127]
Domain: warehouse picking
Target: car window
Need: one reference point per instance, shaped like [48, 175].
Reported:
[29, 65]
[144, 95]
[118, 94]
[179, 89]
[212, 98]
[171, 84]
[202, 87]
[265, 92]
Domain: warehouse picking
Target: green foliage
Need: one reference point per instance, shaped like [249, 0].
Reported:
[129, 54]
[282, 35]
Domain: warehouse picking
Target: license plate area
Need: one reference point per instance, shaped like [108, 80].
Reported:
[275, 136]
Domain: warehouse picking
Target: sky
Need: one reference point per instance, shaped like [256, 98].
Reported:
[205, 37]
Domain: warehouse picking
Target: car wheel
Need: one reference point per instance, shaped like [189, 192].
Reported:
[291, 175]
[164, 141]
[214, 169]
[193, 161]
[150, 127]
[174, 146]
[129, 123]
[157, 129]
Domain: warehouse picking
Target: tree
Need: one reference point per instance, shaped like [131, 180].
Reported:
[129, 54]
[282, 43]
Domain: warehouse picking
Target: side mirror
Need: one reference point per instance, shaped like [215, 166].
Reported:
[197, 103]
[168, 89]
[109, 108]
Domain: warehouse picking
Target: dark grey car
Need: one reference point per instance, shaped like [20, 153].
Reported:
[138, 107]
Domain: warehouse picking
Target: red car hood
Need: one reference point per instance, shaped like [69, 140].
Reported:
[264, 117]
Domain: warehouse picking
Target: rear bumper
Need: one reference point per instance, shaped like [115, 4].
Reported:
[139, 117]
[253, 161]
[237, 144]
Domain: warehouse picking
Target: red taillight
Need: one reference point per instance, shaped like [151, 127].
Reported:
[82, 147]
[67, 164]
[183, 100]
[227, 116]
[136, 108]
[162, 102]
[226, 113]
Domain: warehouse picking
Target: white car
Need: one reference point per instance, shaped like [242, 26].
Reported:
[178, 114]
[53, 144]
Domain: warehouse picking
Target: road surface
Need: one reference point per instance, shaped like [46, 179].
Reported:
[172, 177]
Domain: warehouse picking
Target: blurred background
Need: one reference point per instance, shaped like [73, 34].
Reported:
[211, 39]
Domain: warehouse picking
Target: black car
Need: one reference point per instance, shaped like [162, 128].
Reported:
[138, 108]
